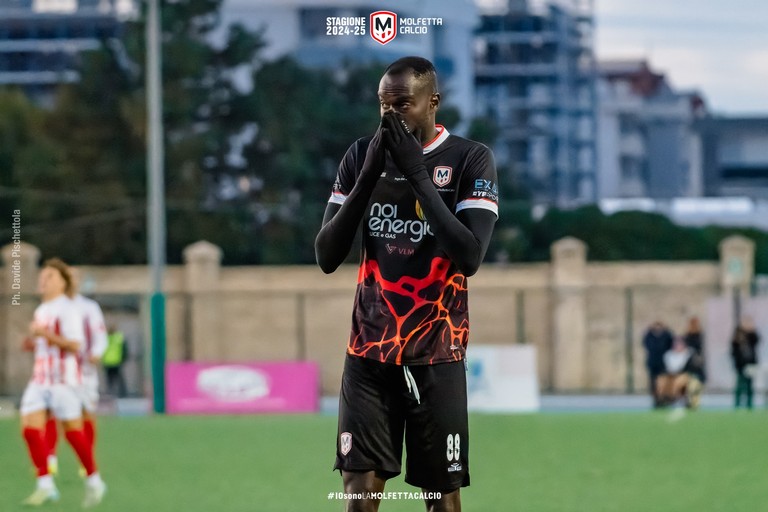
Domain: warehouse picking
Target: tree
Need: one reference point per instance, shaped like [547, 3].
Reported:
[203, 118]
[97, 167]
[20, 128]
[97, 213]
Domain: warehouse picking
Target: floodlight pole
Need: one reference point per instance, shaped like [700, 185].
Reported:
[156, 202]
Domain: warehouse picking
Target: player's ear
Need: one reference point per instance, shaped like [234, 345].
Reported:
[434, 101]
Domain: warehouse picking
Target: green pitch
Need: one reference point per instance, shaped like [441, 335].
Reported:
[624, 462]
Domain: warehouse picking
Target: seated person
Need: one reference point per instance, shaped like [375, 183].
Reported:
[673, 382]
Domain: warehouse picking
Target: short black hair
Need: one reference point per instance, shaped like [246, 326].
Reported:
[421, 69]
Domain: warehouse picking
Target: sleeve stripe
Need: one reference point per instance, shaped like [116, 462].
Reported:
[484, 204]
[337, 198]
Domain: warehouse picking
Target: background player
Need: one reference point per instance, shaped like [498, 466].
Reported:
[428, 203]
[89, 357]
[57, 335]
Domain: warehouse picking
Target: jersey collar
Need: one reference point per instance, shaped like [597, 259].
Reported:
[442, 134]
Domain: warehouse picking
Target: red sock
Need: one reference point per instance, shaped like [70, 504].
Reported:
[38, 449]
[83, 450]
[51, 436]
[89, 429]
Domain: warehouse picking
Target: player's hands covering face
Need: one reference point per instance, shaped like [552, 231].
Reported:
[375, 155]
[404, 147]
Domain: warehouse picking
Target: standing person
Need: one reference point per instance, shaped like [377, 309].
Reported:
[657, 341]
[113, 360]
[93, 350]
[694, 339]
[428, 202]
[89, 358]
[744, 354]
[56, 335]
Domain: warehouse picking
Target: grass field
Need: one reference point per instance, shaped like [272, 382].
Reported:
[624, 462]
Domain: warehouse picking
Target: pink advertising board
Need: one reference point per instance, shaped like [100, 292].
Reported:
[230, 388]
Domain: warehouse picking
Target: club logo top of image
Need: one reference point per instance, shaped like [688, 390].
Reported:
[383, 26]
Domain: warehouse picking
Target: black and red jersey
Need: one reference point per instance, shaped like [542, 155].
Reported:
[411, 300]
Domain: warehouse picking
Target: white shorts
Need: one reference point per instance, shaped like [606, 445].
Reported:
[61, 400]
[88, 392]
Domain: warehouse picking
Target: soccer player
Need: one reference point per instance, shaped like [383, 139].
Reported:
[89, 357]
[428, 201]
[56, 335]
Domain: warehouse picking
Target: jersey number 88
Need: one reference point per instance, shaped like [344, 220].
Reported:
[454, 447]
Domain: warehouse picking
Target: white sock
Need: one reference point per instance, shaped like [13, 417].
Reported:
[45, 482]
[52, 459]
[94, 480]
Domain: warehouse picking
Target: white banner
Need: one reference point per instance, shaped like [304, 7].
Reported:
[502, 378]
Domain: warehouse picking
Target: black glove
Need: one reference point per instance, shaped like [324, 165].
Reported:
[404, 148]
[374, 156]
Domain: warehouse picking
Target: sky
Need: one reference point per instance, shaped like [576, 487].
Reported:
[718, 47]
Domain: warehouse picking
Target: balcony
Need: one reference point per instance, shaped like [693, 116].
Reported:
[37, 77]
[532, 38]
[522, 70]
[539, 96]
[49, 45]
[632, 145]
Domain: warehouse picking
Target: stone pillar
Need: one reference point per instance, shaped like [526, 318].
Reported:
[569, 315]
[737, 264]
[202, 265]
[19, 300]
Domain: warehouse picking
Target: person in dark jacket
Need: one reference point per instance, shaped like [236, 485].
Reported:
[657, 341]
[694, 339]
[744, 354]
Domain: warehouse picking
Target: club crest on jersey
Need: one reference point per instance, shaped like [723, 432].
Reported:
[442, 175]
[383, 26]
[346, 442]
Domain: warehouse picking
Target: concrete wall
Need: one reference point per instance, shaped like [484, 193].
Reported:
[586, 319]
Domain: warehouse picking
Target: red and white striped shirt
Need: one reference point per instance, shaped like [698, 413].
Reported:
[95, 338]
[53, 365]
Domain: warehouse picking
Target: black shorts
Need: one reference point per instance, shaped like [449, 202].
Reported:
[377, 407]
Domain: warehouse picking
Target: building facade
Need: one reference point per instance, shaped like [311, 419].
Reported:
[735, 156]
[535, 70]
[647, 142]
[40, 40]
